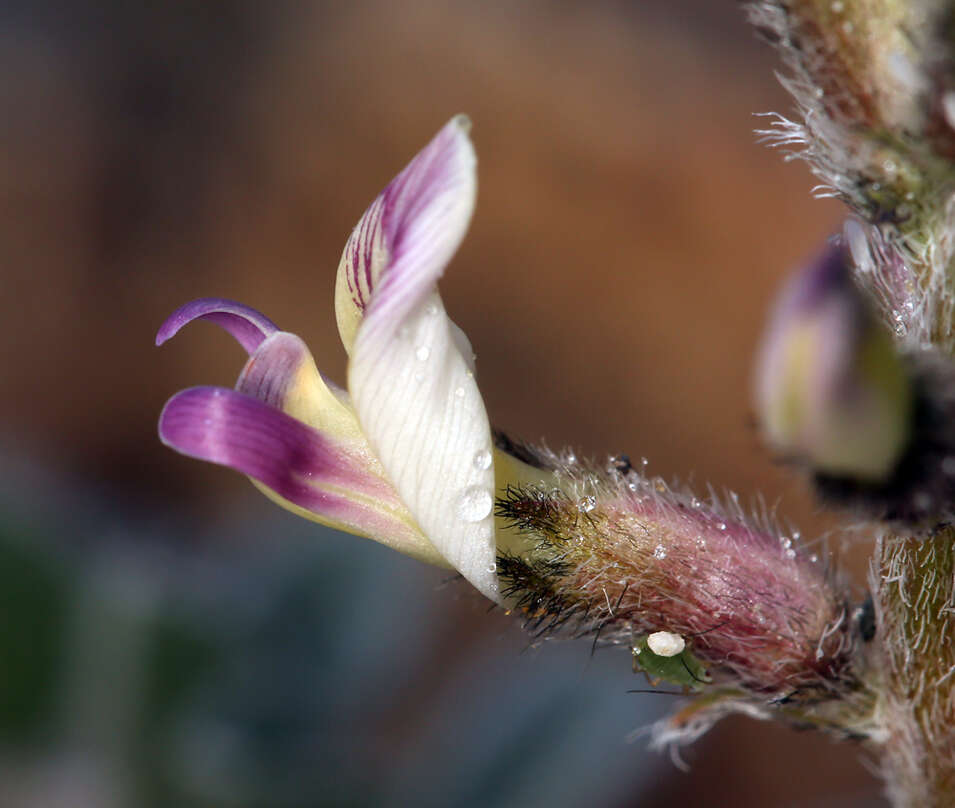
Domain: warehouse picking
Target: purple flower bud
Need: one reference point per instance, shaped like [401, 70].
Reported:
[831, 389]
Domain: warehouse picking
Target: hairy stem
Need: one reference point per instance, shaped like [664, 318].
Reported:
[913, 587]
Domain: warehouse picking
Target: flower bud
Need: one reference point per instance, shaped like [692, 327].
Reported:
[703, 595]
[831, 389]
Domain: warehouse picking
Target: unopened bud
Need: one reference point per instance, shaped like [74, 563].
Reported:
[831, 388]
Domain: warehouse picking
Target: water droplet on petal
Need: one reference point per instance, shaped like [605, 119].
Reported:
[422, 353]
[722, 525]
[459, 392]
[586, 504]
[660, 552]
[432, 309]
[482, 460]
[475, 504]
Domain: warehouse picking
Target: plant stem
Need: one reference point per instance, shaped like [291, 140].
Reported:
[913, 587]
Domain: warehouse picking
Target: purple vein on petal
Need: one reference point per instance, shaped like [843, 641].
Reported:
[297, 462]
[272, 369]
[427, 209]
[248, 326]
[412, 216]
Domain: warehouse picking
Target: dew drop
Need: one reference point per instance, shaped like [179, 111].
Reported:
[482, 460]
[790, 554]
[586, 504]
[813, 558]
[660, 552]
[695, 503]
[722, 525]
[475, 504]
[786, 542]
[422, 353]
[432, 309]
[492, 568]
[459, 392]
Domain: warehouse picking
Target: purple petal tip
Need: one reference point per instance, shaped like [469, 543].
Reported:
[248, 326]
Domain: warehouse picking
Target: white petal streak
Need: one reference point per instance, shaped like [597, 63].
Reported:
[410, 374]
[420, 407]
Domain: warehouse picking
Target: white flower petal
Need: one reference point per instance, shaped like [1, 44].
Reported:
[413, 388]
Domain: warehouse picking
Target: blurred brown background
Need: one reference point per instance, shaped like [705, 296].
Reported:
[628, 237]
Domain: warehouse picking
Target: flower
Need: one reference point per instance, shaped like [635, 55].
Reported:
[703, 595]
[831, 387]
[406, 455]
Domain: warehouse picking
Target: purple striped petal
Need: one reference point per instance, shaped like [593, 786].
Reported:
[410, 373]
[248, 326]
[306, 467]
[409, 233]
[272, 370]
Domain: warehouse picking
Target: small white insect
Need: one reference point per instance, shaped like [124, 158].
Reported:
[666, 643]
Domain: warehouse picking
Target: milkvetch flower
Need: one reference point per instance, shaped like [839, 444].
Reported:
[704, 596]
[406, 455]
